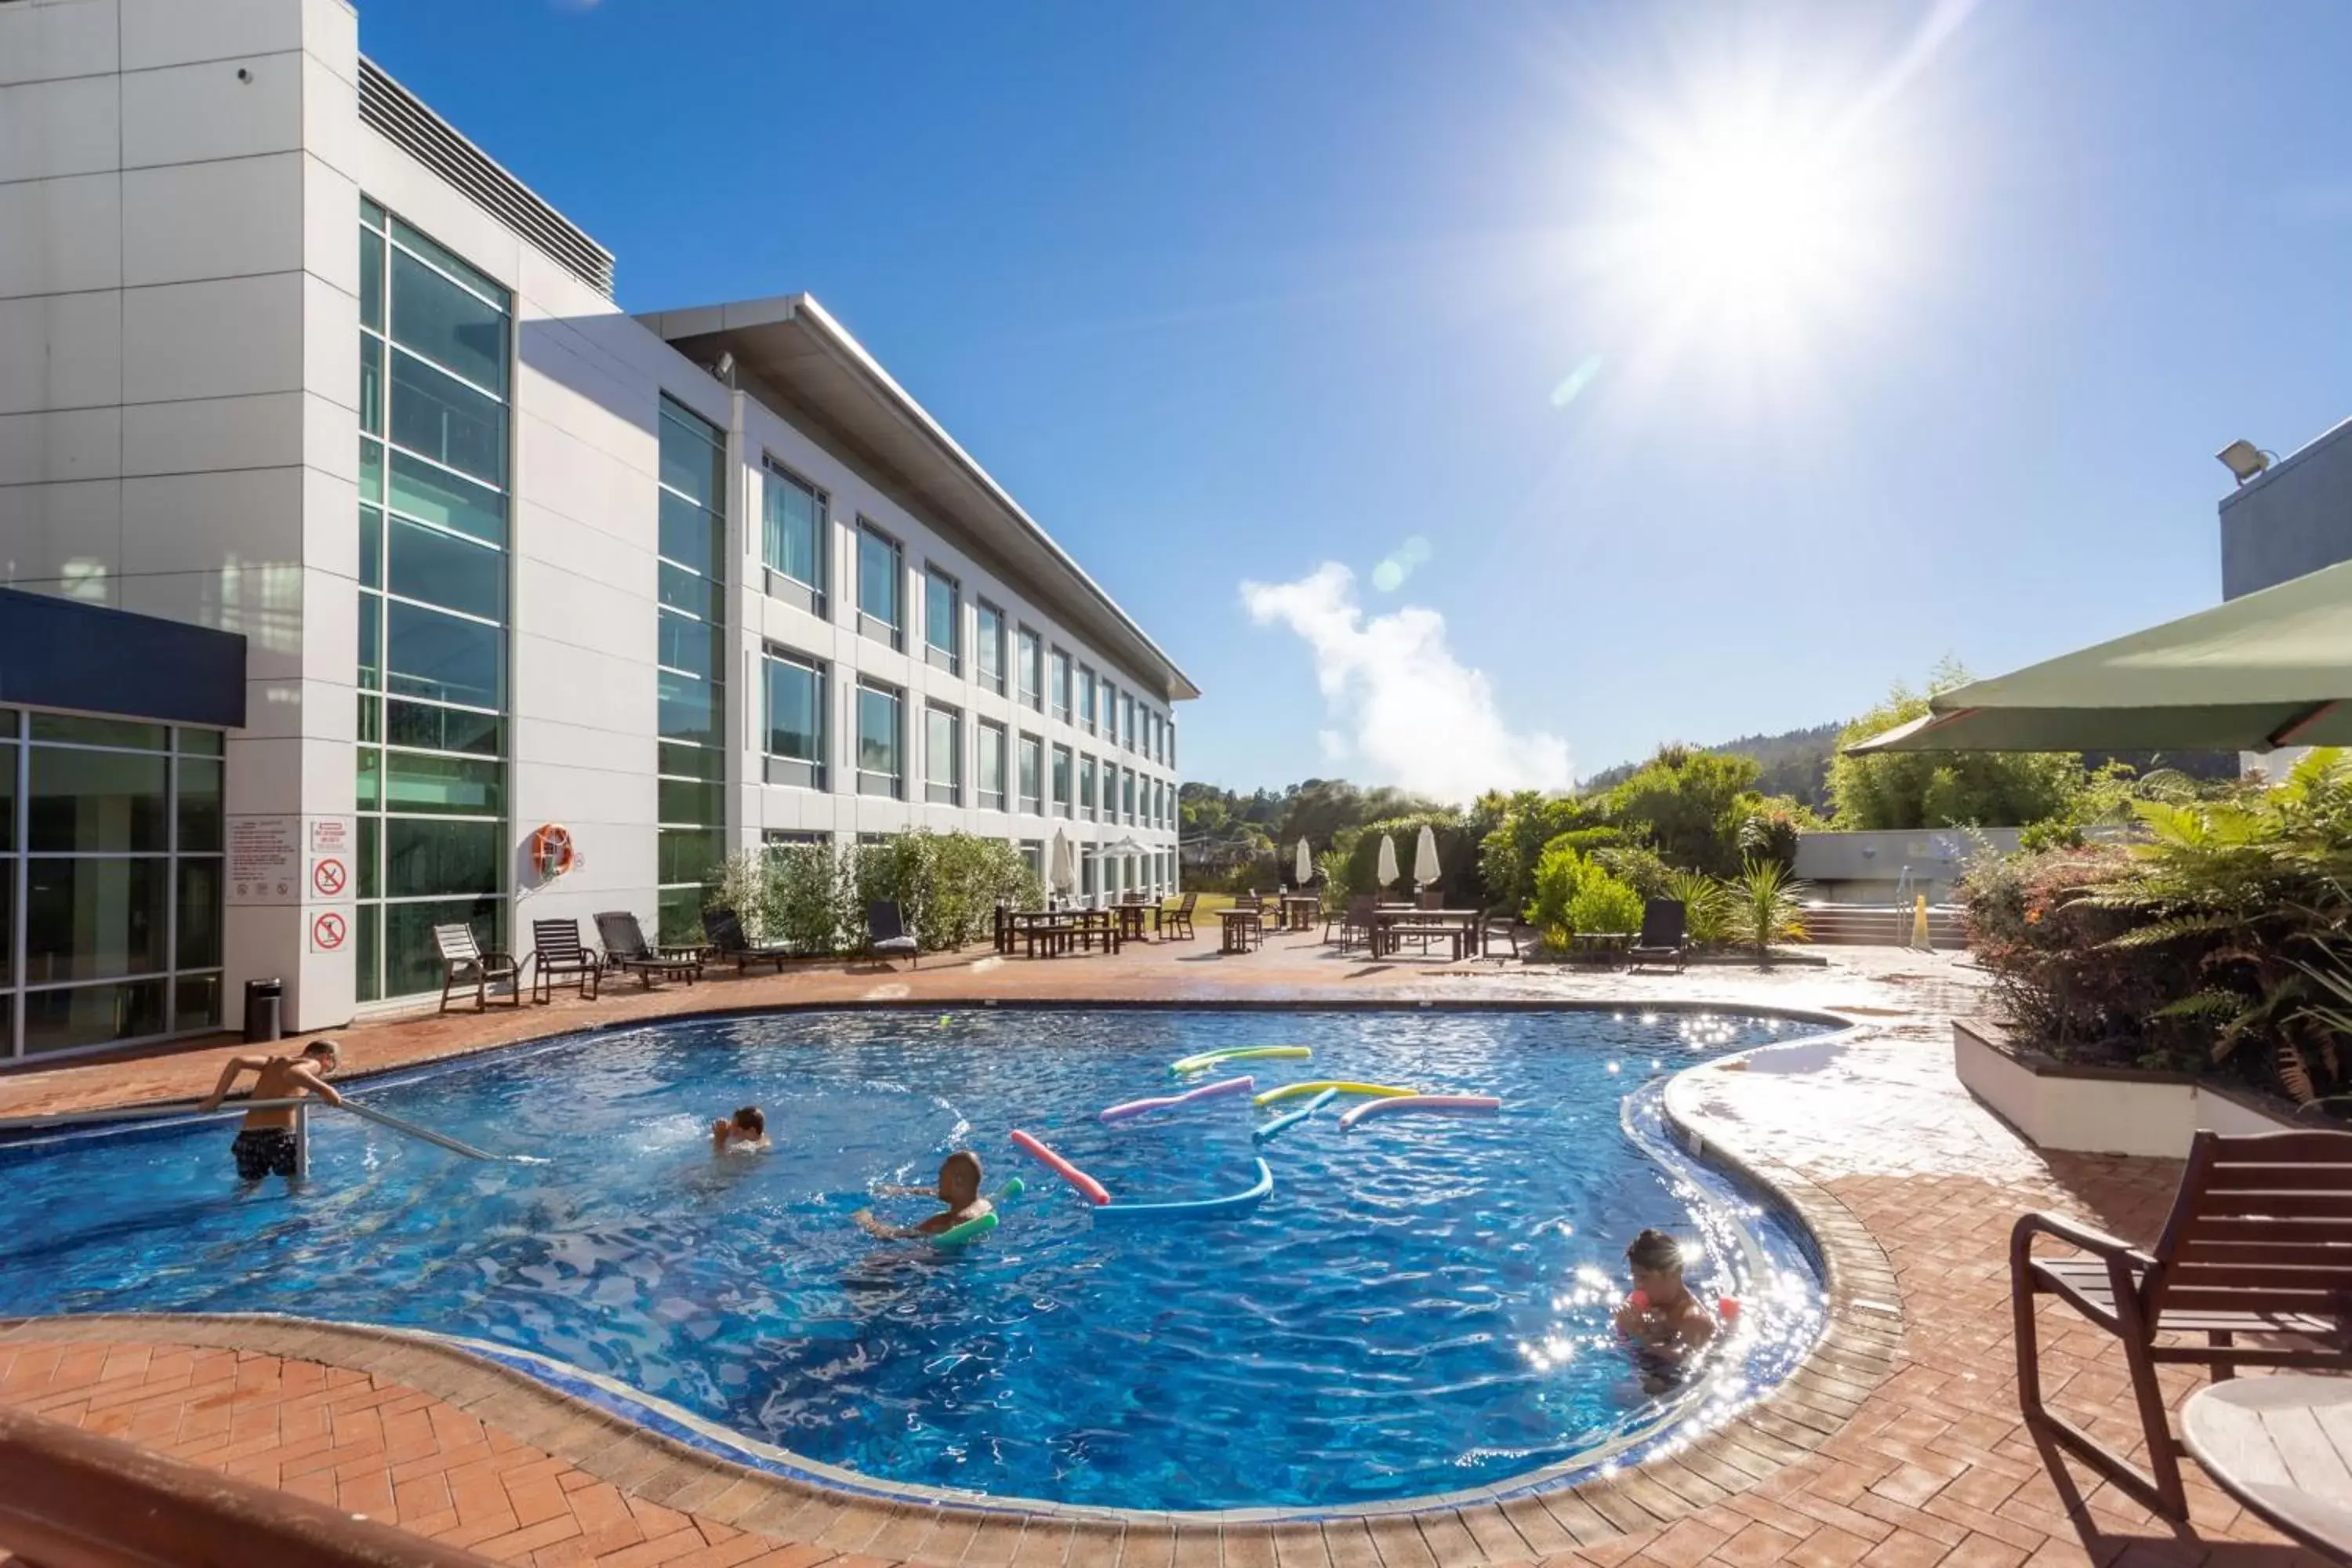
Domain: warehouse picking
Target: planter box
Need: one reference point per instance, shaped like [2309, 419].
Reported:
[2100, 1111]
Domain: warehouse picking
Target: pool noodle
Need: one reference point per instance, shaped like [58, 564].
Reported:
[1291, 1117]
[1198, 1208]
[1238, 1053]
[1419, 1103]
[957, 1235]
[1163, 1101]
[1289, 1089]
[1087, 1186]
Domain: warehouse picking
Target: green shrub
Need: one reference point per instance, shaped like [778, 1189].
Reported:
[1557, 874]
[1762, 909]
[1523, 824]
[812, 897]
[1638, 869]
[1457, 855]
[1707, 909]
[1602, 903]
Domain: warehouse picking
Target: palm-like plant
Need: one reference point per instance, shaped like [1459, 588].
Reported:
[1760, 905]
[1706, 914]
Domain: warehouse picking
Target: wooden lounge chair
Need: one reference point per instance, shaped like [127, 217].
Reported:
[464, 962]
[728, 941]
[1665, 936]
[886, 935]
[627, 952]
[2259, 1244]
[557, 954]
[1178, 922]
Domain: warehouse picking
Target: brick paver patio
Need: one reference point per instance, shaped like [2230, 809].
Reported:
[1921, 1459]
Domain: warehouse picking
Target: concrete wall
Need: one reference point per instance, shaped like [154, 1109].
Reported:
[2293, 520]
[1865, 867]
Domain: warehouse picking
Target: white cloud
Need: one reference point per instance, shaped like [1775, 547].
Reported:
[1403, 709]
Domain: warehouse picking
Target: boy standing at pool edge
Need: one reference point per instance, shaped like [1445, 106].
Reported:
[959, 1188]
[266, 1144]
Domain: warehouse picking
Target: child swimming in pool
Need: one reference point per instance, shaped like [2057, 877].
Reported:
[1666, 1325]
[959, 1188]
[745, 1132]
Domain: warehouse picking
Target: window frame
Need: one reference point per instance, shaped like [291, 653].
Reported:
[984, 798]
[868, 779]
[1025, 746]
[950, 792]
[1029, 675]
[950, 658]
[776, 768]
[982, 676]
[892, 633]
[809, 597]
[1086, 697]
[1060, 681]
[1062, 782]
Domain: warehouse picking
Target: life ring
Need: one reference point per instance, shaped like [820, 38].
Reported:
[551, 849]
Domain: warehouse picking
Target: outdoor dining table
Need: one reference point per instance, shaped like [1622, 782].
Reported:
[1299, 910]
[1243, 929]
[1131, 917]
[1460, 927]
[2282, 1445]
[1061, 931]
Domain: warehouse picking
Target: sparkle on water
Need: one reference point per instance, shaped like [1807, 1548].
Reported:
[1422, 1304]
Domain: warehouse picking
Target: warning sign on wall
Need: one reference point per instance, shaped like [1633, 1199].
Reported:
[329, 929]
[265, 860]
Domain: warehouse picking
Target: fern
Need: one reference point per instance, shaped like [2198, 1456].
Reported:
[2203, 1004]
[2295, 1075]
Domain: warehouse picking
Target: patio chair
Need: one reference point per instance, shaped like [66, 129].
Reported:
[1504, 923]
[2259, 1243]
[886, 935]
[1665, 936]
[627, 951]
[463, 961]
[725, 932]
[1356, 925]
[1178, 922]
[557, 954]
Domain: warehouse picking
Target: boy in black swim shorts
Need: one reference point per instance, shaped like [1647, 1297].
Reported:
[267, 1144]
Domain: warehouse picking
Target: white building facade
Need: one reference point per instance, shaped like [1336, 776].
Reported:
[283, 356]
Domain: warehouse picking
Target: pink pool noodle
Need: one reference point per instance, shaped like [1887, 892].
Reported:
[1419, 1103]
[1163, 1101]
[1091, 1190]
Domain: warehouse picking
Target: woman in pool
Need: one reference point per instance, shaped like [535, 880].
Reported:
[959, 1188]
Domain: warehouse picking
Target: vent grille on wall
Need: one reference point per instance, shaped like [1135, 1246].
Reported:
[433, 142]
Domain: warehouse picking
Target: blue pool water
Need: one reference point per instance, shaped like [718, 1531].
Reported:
[1421, 1304]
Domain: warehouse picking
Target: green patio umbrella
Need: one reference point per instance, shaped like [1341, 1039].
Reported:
[2273, 668]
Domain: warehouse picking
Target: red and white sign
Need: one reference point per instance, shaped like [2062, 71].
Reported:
[330, 834]
[328, 931]
[330, 877]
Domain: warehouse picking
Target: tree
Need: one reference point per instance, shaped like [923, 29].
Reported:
[1691, 804]
[1945, 789]
[1523, 824]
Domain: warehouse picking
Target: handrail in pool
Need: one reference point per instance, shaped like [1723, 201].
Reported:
[300, 1105]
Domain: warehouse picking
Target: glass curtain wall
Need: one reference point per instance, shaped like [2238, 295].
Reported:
[692, 657]
[435, 342]
[110, 853]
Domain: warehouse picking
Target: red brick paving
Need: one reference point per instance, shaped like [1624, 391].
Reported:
[1934, 1467]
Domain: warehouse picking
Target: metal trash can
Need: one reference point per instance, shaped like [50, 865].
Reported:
[264, 1000]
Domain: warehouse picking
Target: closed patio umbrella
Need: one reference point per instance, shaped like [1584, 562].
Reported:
[1387, 872]
[1424, 857]
[1304, 866]
[2267, 670]
[1062, 865]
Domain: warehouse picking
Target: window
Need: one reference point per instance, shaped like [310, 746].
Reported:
[942, 621]
[792, 538]
[436, 444]
[943, 755]
[1033, 854]
[988, 622]
[1151, 737]
[1086, 788]
[879, 585]
[1109, 711]
[692, 679]
[1062, 781]
[1086, 698]
[1032, 768]
[878, 772]
[1089, 869]
[795, 721]
[1060, 686]
[1126, 796]
[1172, 740]
[989, 765]
[1127, 721]
[1029, 661]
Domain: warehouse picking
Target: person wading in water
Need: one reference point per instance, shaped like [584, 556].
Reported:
[266, 1145]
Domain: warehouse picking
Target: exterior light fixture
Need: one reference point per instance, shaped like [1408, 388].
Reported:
[2245, 459]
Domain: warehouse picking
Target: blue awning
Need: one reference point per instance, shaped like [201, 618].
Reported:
[62, 653]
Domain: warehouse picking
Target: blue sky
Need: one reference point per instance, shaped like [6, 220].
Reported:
[1227, 293]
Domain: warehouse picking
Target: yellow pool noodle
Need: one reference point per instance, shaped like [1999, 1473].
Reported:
[1287, 1090]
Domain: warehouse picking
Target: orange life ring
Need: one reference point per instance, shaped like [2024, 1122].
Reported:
[551, 849]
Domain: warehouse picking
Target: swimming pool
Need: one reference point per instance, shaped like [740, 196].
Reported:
[1420, 1305]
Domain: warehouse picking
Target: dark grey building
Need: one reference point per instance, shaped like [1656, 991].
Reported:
[2293, 518]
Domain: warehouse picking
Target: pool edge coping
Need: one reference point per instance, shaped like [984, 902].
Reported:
[1838, 1373]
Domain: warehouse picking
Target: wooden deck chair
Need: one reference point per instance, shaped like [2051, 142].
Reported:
[886, 935]
[725, 930]
[626, 950]
[2259, 1243]
[1665, 936]
[558, 954]
[464, 962]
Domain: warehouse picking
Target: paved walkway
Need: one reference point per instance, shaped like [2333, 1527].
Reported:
[1920, 1460]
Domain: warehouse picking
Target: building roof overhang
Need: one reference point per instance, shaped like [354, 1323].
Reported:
[792, 355]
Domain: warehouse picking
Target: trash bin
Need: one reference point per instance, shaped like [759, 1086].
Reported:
[263, 1001]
